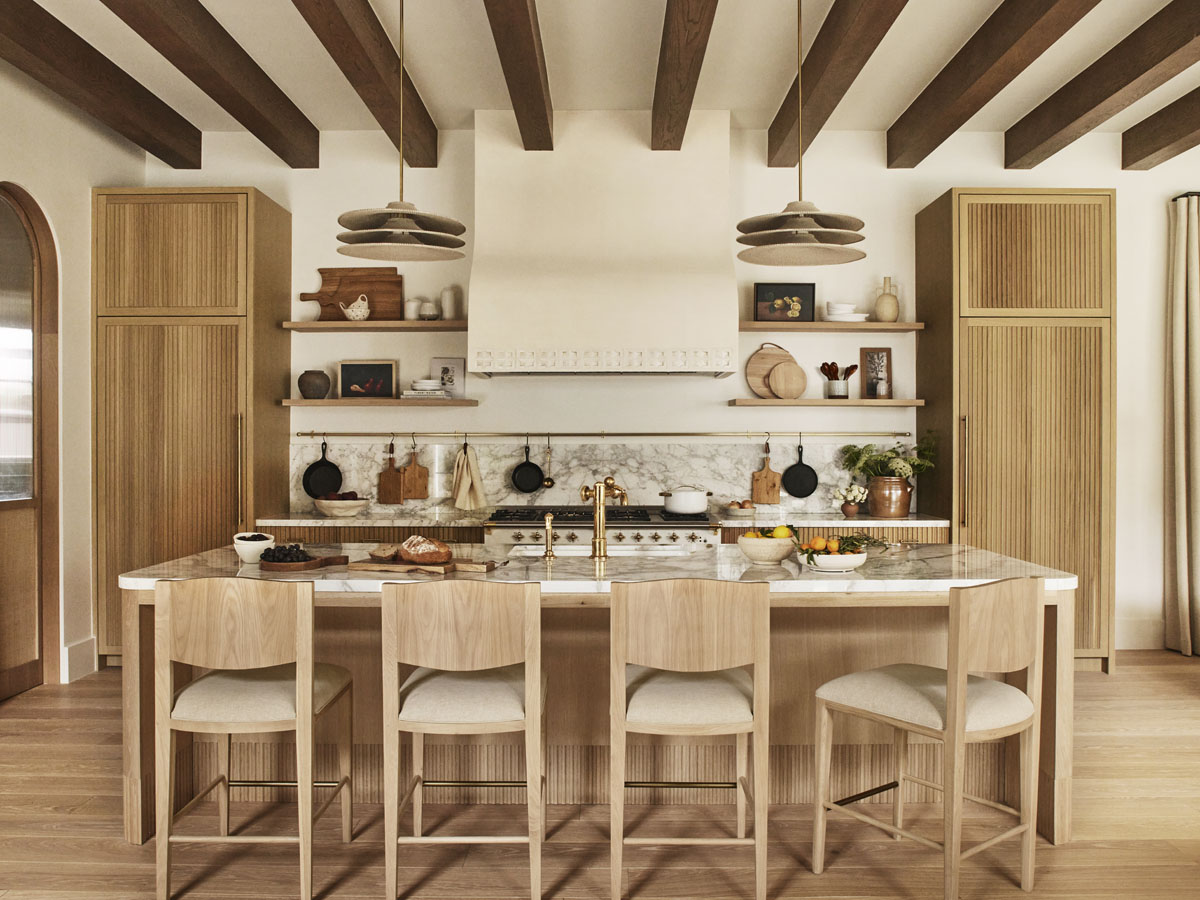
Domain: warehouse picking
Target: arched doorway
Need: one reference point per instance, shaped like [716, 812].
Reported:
[29, 578]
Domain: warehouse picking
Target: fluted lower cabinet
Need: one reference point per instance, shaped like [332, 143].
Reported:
[1015, 288]
[189, 288]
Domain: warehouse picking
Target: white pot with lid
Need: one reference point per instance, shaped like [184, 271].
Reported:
[686, 500]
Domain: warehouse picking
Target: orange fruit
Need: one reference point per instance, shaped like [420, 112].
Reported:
[817, 543]
[833, 545]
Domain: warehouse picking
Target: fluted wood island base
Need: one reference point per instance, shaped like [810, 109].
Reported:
[891, 610]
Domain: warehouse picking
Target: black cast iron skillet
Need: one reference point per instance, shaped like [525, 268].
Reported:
[322, 477]
[527, 476]
[799, 479]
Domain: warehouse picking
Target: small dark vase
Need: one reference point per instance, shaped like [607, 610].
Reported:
[849, 510]
[314, 385]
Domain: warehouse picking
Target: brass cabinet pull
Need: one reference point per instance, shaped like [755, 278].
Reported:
[241, 453]
[964, 474]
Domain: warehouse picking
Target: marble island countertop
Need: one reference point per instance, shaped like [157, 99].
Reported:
[920, 567]
[456, 518]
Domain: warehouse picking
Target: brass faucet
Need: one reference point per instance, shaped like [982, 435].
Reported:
[597, 494]
[549, 554]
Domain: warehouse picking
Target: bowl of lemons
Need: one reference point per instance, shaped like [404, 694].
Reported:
[768, 545]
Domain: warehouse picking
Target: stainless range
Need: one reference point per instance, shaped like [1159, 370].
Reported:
[630, 529]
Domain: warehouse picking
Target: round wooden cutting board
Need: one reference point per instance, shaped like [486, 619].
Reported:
[787, 381]
[759, 366]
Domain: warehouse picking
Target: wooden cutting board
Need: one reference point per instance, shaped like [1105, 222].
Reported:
[319, 563]
[787, 381]
[759, 366]
[383, 286]
[764, 484]
[455, 565]
[391, 482]
[414, 479]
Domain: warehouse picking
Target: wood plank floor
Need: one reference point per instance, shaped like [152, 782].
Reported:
[1137, 822]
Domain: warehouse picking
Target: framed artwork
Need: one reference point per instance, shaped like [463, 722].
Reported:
[364, 378]
[784, 302]
[452, 372]
[875, 373]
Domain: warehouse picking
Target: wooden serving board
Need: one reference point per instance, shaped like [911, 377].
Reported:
[759, 366]
[787, 381]
[400, 566]
[414, 479]
[764, 484]
[383, 286]
[391, 483]
[319, 562]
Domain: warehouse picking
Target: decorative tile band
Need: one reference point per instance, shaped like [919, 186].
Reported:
[696, 359]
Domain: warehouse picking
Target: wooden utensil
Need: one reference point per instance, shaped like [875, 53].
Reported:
[759, 366]
[399, 565]
[391, 479]
[787, 381]
[319, 562]
[414, 477]
[764, 484]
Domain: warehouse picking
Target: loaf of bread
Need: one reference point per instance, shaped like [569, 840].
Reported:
[385, 551]
[425, 551]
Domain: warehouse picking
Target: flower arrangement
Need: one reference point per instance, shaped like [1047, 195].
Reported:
[897, 461]
[851, 493]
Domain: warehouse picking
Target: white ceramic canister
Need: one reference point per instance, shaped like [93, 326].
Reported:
[412, 308]
[450, 308]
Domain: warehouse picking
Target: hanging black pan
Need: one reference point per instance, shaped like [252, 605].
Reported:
[799, 479]
[527, 476]
[322, 477]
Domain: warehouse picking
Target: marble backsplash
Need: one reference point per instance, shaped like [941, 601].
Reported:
[643, 469]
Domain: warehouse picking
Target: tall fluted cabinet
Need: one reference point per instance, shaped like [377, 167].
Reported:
[1016, 367]
[189, 445]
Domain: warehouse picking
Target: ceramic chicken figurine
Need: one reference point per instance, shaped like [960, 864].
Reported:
[357, 311]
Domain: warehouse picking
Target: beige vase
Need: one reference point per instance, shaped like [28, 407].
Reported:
[887, 306]
[888, 497]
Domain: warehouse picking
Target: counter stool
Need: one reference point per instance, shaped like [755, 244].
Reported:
[677, 652]
[256, 637]
[478, 651]
[995, 628]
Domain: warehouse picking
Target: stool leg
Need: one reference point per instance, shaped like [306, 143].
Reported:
[952, 797]
[418, 770]
[743, 775]
[900, 744]
[616, 800]
[545, 766]
[164, 752]
[533, 797]
[1029, 788]
[391, 804]
[223, 769]
[823, 752]
[346, 765]
[304, 797]
[762, 787]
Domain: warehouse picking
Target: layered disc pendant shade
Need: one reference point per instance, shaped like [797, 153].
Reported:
[399, 232]
[801, 234]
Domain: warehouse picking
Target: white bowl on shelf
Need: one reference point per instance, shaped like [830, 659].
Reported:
[766, 550]
[846, 317]
[836, 562]
[341, 509]
[249, 551]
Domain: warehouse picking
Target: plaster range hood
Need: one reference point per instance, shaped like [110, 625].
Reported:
[602, 256]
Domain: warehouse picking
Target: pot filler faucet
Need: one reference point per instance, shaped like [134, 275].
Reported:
[597, 494]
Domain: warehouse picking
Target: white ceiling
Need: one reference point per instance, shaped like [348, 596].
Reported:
[603, 54]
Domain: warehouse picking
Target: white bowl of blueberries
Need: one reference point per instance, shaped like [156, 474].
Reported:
[251, 544]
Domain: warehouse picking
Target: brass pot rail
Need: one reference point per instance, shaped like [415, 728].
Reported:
[603, 435]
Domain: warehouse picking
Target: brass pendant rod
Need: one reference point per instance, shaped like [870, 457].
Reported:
[400, 53]
[524, 435]
[799, 100]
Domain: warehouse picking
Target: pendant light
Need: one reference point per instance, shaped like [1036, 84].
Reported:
[399, 231]
[800, 235]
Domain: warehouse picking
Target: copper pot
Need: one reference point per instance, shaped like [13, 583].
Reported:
[888, 497]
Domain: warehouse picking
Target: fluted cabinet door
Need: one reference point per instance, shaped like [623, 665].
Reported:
[1035, 436]
[1035, 253]
[169, 411]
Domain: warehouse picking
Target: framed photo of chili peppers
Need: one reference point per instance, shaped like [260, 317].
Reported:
[366, 378]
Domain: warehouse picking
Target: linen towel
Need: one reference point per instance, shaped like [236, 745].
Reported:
[468, 482]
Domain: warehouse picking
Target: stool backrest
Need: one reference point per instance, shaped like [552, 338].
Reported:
[690, 625]
[233, 623]
[461, 625]
[997, 627]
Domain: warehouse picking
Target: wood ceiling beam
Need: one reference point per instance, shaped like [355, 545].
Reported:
[49, 52]
[519, 44]
[195, 43]
[1162, 47]
[1169, 132]
[686, 28]
[358, 43]
[1016, 34]
[848, 36]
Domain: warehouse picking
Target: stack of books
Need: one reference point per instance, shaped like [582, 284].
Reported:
[425, 395]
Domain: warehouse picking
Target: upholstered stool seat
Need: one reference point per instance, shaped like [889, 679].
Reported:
[917, 694]
[255, 695]
[475, 697]
[662, 697]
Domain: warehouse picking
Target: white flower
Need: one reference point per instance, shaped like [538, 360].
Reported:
[900, 467]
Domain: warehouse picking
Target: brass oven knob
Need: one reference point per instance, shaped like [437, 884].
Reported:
[674, 536]
[519, 536]
[572, 536]
[557, 536]
[619, 536]
[536, 536]
[637, 535]
[656, 536]
[692, 538]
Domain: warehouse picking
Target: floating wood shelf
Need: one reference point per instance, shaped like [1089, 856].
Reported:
[378, 325]
[377, 401]
[833, 327]
[759, 401]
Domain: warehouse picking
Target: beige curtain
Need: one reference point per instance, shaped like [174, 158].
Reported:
[1182, 544]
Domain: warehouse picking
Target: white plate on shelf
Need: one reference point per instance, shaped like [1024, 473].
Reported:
[847, 317]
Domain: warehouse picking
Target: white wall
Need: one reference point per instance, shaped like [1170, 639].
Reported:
[58, 155]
